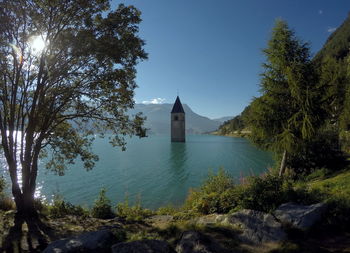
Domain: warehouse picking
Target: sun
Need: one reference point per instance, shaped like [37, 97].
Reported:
[37, 45]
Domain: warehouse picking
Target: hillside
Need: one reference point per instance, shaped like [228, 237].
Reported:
[158, 119]
[337, 45]
[235, 126]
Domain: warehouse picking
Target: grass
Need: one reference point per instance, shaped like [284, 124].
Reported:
[220, 193]
[336, 186]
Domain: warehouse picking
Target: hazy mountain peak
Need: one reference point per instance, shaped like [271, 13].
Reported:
[158, 119]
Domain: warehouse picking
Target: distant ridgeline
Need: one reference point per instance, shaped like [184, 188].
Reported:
[332, 63]
[236, 126]
[158, 119]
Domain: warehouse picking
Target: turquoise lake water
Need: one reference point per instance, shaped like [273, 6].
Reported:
[154, 169]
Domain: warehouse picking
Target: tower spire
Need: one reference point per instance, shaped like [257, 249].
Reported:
[178, 133]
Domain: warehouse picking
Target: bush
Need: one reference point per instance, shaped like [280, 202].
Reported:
[167, 210]
[321, 152]
[60, 208]
[2, 185]
[217, 195]
[132, 213]
[218, 183]
[264, 193]
[102, 208]
[6, 203]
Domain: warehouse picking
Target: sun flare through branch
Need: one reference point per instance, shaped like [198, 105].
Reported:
[37, 44]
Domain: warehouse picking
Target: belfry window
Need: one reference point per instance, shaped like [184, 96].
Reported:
[176, 118]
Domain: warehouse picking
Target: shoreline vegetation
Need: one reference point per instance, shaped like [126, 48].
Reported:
[219, 194]
[237, 133]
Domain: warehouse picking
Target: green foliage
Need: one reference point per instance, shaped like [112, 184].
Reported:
[337, 45]
[60, 208]
[290, 110]
[143, 235]
[214, 196]
[132, 213]
[218, 183]
[80, 85]
[6, 203]
[167, 210]
[102, 207]
[235, 125]
[219, 194]
[333, 87]
[264, 193]
[335, 191]
[322, 151]
[2, 185]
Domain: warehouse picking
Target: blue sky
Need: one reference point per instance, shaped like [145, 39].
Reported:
[210, 50]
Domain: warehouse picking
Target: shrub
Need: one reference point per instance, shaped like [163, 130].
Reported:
[60, 208]
[167, 210]
[216, 195]
[321, 152]
[263, 193]
[102, 208]
[2, 185]
[132, 213]
[218, 183]
[6, 203]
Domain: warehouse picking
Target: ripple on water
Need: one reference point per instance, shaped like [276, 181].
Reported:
[158, 171]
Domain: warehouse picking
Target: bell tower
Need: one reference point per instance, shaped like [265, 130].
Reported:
[178, 122]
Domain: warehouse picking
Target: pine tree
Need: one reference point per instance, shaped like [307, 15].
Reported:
[287, 113]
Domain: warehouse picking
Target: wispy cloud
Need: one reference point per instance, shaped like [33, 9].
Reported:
[320, 12]
[331, 29]
[154, 101]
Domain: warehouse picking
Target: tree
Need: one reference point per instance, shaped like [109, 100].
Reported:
[333, 77]
[287, 113]
[67, 73]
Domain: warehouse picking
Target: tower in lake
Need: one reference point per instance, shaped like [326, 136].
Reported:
[178, 122]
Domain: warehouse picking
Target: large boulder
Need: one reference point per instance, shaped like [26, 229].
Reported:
[257, 227]
[195, 242]
[97, 241]
[300, 216]
[211, 219]
[143, 246]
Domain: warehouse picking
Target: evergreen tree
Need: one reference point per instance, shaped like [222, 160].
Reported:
[287, 113]
[333, 79]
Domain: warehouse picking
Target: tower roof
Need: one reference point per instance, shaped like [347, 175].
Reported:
[177, 108]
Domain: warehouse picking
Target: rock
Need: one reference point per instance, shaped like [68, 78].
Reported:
[160, 219]
[97, 241]
[211, 219]
[257, 227]
[143, 246]
[195, 242]
[300, 216]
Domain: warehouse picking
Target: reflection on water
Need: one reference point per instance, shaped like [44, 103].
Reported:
[5, 172]
[178, 157]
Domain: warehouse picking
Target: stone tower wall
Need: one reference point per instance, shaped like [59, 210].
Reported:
[178, 127]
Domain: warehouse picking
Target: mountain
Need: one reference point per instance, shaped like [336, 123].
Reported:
[223, 119]
[337, 44]
[158, 119]
[235, 124]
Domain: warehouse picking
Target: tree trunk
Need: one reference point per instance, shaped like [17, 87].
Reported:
[283, 163]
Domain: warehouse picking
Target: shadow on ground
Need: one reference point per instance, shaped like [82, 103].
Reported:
[26, 235]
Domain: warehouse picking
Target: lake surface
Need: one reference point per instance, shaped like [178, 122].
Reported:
[154, 169]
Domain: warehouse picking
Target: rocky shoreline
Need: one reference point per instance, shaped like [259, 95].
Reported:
[251, 229]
